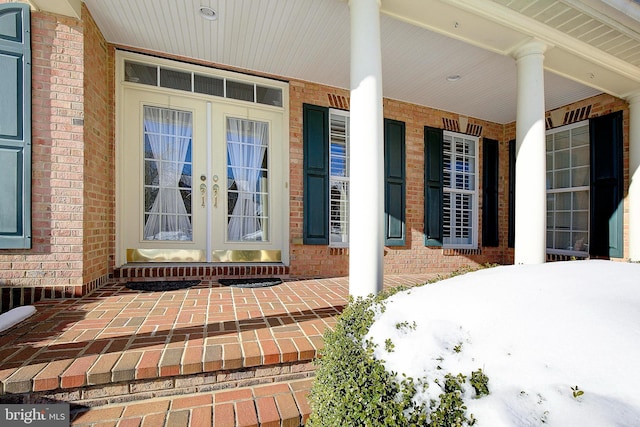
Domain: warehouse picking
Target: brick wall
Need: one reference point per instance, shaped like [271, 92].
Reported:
[55, 260]
[72, 160]
[322, 261]
[99, 155]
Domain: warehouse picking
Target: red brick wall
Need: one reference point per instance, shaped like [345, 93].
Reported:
[99, 154]
[318, 261]
[57, 163]
[72, 163]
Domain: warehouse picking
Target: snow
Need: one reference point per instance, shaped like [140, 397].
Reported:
[15, 316]
[536, 331]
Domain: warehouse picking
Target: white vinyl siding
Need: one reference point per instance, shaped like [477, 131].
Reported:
[568, 172]
[460, 191]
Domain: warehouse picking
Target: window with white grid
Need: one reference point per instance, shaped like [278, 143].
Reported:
[568, 172]
[339, 179]
[460, 192]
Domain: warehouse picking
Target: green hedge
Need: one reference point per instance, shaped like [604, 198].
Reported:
[352, 388]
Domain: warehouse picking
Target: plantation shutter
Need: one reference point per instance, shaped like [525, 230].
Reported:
[512, 194]
[315, 124]
[394, 182]
[606, 239]
[490, 228]
[15, 127]
[433, 185]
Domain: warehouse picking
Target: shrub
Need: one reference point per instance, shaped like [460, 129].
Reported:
[352, 388]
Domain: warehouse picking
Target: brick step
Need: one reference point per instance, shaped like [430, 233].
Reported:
[200, 271]
[282, 403]
[136, 390]
[172, 366]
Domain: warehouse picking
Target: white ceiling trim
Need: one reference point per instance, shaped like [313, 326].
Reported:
[72, 8]
[507, 17]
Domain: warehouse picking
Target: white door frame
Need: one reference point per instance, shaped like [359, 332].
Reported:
[279, 157]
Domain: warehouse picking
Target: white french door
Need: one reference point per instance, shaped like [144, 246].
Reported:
[199, 181]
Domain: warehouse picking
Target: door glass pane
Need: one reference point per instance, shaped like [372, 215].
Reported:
[247, 180]
[168, 174]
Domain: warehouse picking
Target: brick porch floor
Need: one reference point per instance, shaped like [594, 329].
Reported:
[208, 354]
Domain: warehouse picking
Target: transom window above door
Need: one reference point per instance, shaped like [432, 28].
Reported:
[189, 81]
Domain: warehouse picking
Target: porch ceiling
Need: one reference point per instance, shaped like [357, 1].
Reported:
[594, 47]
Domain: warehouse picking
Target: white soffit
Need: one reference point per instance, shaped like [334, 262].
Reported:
[423, 42]
[71, 8]
[583, 41]
[454, 22]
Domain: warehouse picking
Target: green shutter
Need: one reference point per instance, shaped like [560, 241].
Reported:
[490, 228]
[433, 183]
[394, 182]
[607, 186]
[315, 125]
[15, 127]
[512, 194]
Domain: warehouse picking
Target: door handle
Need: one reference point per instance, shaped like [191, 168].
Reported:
[216, 187]
[203, 192]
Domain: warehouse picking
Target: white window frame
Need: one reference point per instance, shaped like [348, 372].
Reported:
[473, 192]
[551, 228]
[343, 205]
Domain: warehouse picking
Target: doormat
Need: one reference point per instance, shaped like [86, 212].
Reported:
[160, 286]
[260, 282]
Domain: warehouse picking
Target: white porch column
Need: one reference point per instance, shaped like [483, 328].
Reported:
[634, 177]
[531, 199]
[366, 195]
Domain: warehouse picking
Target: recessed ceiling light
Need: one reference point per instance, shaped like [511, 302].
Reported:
[207, 13]
[454, 78]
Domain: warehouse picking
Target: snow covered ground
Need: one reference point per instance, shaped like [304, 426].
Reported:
[541, 333]
[15, 316]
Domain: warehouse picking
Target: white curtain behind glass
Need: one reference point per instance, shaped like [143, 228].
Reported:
[169, 133]
[246, 147]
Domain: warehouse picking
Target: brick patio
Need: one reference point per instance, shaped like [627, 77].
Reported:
[206, 354]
